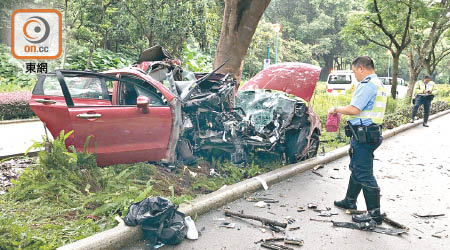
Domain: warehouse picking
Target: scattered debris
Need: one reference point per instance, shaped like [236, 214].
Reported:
[326, 214]
[266, 200]
[274, 229]
[418, 230]
[369, 226]
[393, 223]
[428, 215]
[301, 209]
[10, 169]
[294, 228]
[335, 178]
[260, 204]
[269, 240]
[319, 220]
[319, 174]
[436, 236]
[275, 246]
[293, 241]
[264, 221]
[314, 170]
[317, 167]
[311, 206]
[227, 224]
[263, 182]
[213, 172]
[289, 219]
[354, 211]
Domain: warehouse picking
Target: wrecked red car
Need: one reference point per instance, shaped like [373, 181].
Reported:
[157, 111]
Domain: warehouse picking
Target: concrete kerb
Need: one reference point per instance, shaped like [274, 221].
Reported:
[122, 235]
[19, 121]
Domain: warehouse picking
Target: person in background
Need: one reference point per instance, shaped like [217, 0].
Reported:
[424, 94]
[367, 109]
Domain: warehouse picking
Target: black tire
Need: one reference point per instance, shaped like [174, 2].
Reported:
[295, 147]
[314, 143]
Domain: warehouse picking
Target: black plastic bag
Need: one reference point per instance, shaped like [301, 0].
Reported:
[159, 220]
[176, 231]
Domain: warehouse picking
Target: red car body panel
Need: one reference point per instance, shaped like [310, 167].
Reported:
[54, 116]
[122, 133]
[294, 78]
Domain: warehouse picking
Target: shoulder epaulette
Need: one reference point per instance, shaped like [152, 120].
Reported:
[366, 80]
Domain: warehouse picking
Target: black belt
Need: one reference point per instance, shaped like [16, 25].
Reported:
[364, 134]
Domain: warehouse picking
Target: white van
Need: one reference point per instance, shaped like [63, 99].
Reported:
[341, 80]
[402, 87]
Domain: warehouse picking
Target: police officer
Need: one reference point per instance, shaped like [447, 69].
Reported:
[424, 95]
[366, 109]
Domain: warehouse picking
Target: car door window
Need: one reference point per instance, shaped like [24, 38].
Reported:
[48, 85]
[89, 87]
[131, 87]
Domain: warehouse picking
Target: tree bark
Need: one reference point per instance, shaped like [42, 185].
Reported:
[412, 74]
[240, 19]
[91, 51]
[396, 59]
[328, 59]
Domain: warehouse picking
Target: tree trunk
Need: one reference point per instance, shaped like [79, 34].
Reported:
[65, 51]
[91, 51]
[412, 75]
[240, 19]
[396, 59]
[427, 65]
[328, 59]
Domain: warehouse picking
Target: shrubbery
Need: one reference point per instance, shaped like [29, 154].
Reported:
[14, 105]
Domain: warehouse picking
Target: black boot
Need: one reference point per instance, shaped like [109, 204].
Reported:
[372, 197]
[425, 119]
[349, 202]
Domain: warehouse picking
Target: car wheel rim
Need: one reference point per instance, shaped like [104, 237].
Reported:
[312, 150]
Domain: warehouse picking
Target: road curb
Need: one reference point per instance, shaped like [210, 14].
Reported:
[19, 121]
[122, 235]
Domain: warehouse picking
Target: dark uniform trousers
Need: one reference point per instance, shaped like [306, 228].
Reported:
[361, 162]
[426, 102]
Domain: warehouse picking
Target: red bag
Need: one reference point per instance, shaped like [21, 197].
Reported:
[332, 124]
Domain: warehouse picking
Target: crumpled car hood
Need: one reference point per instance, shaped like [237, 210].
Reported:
[294, 78]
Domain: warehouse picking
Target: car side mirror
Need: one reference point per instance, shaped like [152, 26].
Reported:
[143, 102]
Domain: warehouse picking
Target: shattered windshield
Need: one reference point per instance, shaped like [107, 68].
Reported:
[260, 106]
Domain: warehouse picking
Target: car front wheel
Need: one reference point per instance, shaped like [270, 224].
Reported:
[311, 152]
[295, 148]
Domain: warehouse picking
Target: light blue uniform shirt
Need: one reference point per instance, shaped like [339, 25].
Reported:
[363, 98]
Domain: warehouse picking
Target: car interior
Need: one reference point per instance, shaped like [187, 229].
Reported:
[134, 87]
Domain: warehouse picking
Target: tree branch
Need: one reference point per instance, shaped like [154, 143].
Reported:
[381, 26]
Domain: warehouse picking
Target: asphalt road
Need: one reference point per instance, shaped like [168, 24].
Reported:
[17, 137]
[412, 169]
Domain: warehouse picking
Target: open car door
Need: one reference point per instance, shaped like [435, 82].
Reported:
[120, 132]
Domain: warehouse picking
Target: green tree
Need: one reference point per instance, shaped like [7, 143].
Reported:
[386, 24]
[170, 23]
[429, 22]
[317, 24]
